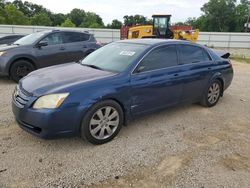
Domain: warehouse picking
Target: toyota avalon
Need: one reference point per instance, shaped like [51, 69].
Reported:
[118, 82]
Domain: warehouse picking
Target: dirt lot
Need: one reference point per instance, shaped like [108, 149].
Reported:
[186, 146]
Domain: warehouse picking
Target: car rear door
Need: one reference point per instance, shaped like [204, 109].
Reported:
[156, 82]
[53, 53]
[196, 67]
[76, 44]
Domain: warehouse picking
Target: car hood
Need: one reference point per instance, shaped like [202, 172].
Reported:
[58, 78]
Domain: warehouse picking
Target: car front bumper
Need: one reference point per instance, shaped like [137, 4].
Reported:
[3, 66]
[47, 123]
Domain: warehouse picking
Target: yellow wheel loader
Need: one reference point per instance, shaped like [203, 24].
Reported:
[160, 29]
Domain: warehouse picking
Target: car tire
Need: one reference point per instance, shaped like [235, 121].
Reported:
[20, 68]
[102, 122]
[212, 94]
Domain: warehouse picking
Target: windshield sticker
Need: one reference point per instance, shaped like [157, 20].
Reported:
[127, 53]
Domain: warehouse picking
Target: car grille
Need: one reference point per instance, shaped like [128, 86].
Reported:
[20, 97]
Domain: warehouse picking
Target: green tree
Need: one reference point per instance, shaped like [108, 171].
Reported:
[29, 9]
[77, 16]
[116, 24]
[95, 25]
[92, 20]
[136, 20]
[41, 19]
[13, 16]
[219, 15]
[58, 19]
[68, 23]
[241, 13]
[2, 3]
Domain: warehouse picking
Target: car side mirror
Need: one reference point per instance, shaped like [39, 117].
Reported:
[140, 69]
[42, 43]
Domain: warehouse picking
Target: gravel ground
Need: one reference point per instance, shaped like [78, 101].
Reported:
[185, 146]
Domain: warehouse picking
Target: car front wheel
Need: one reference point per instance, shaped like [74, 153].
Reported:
[102, 122]
[213, 94]
[20, 69]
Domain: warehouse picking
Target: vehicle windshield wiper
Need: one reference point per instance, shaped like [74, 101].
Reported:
[93, 66]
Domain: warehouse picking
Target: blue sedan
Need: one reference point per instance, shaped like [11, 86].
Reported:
[122, 80]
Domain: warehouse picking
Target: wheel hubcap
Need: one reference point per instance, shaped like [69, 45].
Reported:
[23, 71]
[213, 93]
[104, 122]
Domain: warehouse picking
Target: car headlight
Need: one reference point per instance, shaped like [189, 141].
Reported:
[3, 53]
[50, 101]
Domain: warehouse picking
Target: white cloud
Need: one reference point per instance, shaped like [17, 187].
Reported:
[116, 9]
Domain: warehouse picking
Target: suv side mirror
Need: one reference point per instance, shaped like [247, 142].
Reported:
[42, 43]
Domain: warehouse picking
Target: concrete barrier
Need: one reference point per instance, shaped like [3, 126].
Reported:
[212, 39]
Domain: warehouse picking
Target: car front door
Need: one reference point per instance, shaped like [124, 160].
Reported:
[53, 53]
[156, 81]
[196, 67]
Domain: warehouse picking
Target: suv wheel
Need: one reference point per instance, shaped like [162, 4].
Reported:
[102, 122]
[20, 69]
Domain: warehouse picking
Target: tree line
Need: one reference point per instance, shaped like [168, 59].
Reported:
[217, 15]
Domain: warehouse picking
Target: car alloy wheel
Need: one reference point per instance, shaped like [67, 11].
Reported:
[213, 93]
[104, 122]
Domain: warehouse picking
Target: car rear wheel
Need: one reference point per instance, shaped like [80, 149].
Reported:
[102, 122]
[20, 69]
[213, 94]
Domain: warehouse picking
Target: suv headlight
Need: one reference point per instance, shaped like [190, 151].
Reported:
[3, 53]
[50, 101]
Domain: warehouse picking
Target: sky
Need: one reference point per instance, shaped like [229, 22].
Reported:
[116, 9]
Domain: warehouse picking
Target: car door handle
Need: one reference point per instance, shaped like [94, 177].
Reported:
[176, 74]
[62, 48]
[84, 46]
[209, 68]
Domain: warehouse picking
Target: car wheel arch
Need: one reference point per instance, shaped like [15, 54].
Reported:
[218, 76]
[21, 58]
[101, 100]
[222, 85]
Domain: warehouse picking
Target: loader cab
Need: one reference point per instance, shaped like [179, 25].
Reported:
[161, 26]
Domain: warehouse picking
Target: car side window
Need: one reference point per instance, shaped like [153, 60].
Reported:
[53, 39]
[70, 37]
[192, 54]
[84, 36]
[159, 58]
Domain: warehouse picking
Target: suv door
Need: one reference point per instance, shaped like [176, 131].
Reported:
[196, 67]
[76, 45]
[156, 81]
[53, 53]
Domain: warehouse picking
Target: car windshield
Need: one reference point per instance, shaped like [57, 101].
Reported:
[114, 57]
[29, 39]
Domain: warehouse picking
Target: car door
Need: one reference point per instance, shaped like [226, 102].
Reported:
[196, 67]
[156, 81]
[53, 53]
[76, 45]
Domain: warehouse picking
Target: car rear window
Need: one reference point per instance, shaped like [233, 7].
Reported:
[70, 37]
[159, 58]
[192, 54]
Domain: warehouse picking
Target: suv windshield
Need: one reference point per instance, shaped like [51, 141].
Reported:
[114, 57]
[29, 39]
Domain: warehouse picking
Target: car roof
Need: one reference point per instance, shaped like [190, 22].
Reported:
[62, 30]
[156, 42]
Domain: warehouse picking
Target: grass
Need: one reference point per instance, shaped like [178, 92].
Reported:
[240, 58]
